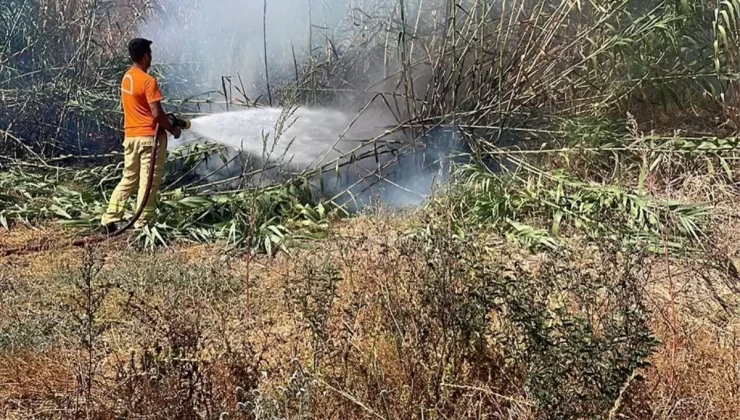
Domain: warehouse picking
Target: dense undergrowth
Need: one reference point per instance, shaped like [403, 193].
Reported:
[539, 282]
[547, 120]
[454, 322]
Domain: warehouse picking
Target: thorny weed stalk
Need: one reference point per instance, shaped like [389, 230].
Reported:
[312, 294]
[170, 370]
[87, 301]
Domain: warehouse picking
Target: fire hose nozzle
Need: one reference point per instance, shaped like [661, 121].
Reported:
[178, 122]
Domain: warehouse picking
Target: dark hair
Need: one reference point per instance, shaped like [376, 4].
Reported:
[138, 48]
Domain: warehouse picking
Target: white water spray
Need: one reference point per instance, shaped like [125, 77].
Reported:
[311, 138]
[302, 138]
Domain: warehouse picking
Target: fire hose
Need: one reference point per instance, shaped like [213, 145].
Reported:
[93, 239]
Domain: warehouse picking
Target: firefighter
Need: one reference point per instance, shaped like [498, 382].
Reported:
[142, 113]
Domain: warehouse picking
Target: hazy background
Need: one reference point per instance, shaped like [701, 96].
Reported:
[225, 37]
[197, 42]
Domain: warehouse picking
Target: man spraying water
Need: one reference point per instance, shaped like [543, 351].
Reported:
[143, 116]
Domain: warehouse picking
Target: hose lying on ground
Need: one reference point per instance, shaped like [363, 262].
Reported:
[94, 239]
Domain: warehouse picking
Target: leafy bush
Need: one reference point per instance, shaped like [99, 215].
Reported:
[573, 329]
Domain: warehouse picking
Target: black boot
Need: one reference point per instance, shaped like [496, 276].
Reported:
[108, 229]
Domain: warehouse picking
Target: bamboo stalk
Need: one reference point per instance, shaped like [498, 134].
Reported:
[264, 43]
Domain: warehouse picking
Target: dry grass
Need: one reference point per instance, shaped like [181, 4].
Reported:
[206, 339]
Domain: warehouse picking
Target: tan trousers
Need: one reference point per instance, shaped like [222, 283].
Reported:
[137, 158]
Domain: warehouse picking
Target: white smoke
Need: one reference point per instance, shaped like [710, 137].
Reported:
[216, 38]
[227, 37]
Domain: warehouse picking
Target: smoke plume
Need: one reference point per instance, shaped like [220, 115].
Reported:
[200, 41]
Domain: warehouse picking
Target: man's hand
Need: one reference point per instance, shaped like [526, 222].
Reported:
[161, 118]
